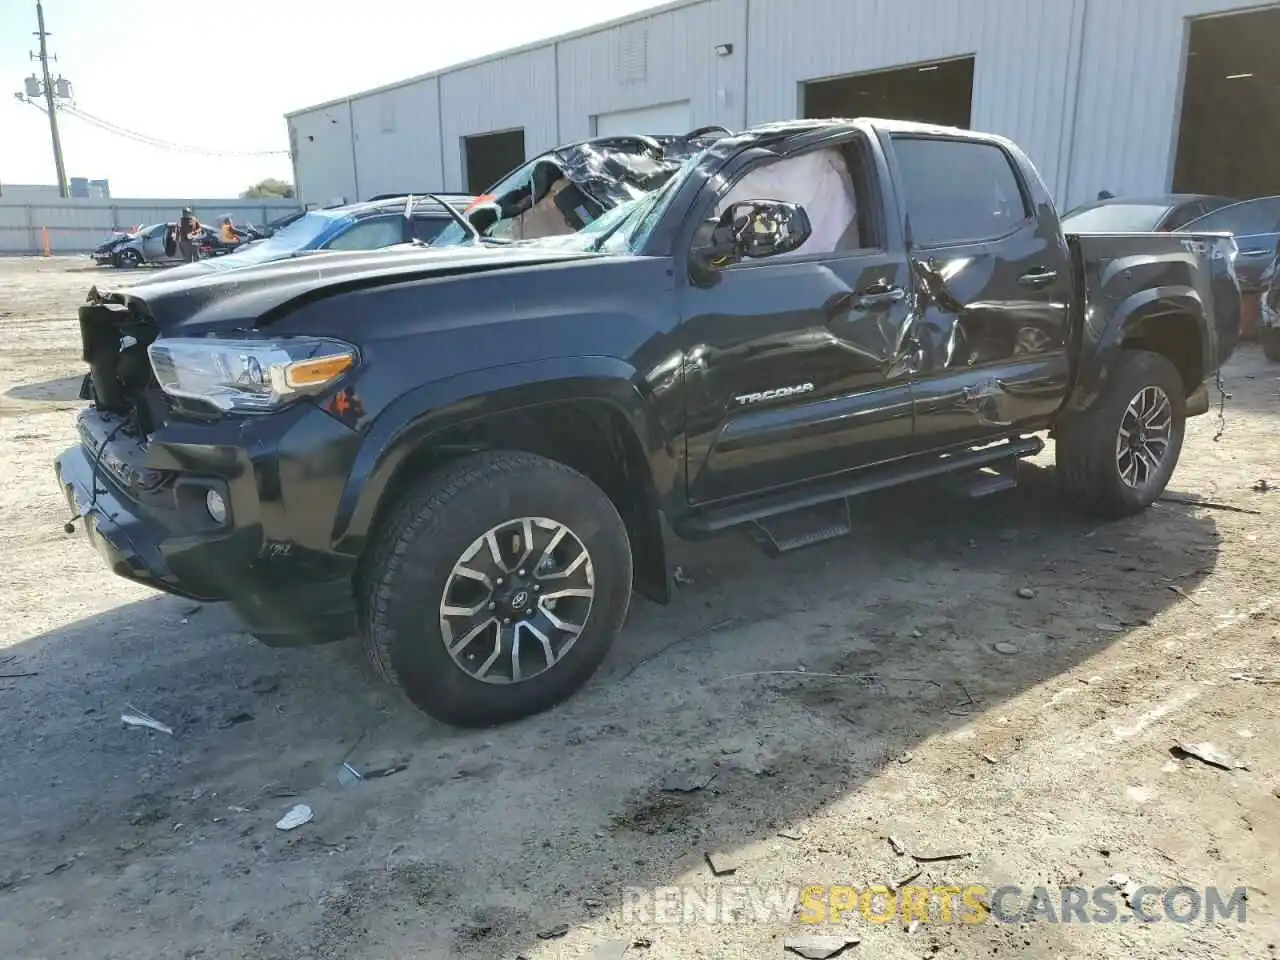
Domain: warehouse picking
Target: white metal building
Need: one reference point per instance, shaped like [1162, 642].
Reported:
[1097, 91]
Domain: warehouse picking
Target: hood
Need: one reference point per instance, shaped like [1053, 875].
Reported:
[250, 296]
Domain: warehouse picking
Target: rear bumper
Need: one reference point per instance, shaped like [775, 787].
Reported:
[286, 593]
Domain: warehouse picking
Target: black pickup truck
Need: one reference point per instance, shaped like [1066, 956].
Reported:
[469, 455]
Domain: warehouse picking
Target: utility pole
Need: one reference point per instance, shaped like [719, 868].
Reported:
[43, 57]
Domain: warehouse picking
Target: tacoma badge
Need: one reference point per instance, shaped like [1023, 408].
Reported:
[775, 394]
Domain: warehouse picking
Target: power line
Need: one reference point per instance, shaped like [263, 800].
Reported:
[155, 142]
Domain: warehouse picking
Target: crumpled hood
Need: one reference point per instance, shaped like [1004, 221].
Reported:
[250, 295]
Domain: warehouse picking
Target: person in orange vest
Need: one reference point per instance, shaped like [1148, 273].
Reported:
[227, 233]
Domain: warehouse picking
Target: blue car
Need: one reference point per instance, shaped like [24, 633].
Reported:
[359, 226]
[1255, 224]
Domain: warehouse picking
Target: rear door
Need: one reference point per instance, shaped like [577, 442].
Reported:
[992, 284]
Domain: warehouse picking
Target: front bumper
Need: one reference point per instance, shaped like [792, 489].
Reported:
[143, 511]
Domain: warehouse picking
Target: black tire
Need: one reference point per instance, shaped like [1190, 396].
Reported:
[1089, 467]
[413, 558]
[128, 259]
[1270, 337]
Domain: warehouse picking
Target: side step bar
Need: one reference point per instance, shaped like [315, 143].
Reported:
[832, 523]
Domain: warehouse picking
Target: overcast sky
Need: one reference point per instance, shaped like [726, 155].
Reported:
[222, 73]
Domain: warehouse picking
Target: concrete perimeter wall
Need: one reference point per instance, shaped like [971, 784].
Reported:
[79, 225]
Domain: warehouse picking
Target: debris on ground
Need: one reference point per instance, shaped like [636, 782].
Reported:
[896, 845]
[1026, 593]
[1004, 646]
[906, 757]
[1109, 627]
[554, 933]
[819, 947]
[235, 719]
[1251, 678]
[17, 676]
[134, 717]
[904, 880]
[939, 854]
[611, 950]
[1205, 752]
[722, 864]
[687, 781]
[792, 833]
[1262, 486]
[642, 943]
[1127, 887]
[1183, 594]
[1211, 504]
[681, 578]
[295, 818]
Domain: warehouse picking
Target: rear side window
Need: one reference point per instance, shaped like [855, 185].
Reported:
[1243, 219]
[957, 191]
[427, 229]
[370, 234]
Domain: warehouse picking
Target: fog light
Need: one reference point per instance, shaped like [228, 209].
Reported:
[216, 506]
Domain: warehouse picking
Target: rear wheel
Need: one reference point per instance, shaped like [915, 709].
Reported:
[496, 588]
[1116, 458]
[1270, 337]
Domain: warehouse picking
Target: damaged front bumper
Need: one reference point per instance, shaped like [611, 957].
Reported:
[144, 509]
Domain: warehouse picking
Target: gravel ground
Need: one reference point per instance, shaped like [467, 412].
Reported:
[997, 680]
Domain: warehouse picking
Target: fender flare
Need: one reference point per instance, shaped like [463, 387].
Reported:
[416, 417]
[1098, 357]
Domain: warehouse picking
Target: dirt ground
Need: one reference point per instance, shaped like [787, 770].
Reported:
[1009, 681]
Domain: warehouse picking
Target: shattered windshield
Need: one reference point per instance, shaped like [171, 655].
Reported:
[569, 191]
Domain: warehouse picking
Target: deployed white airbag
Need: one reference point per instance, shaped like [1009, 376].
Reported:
[819, 181]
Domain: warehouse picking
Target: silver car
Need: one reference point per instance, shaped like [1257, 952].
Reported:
[146, 247]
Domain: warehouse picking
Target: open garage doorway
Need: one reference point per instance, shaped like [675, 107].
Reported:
[939, 92]
[1231, 106]
[491, 156]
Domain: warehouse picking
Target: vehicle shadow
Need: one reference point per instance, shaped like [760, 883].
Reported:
[60, 389]
[769, 690]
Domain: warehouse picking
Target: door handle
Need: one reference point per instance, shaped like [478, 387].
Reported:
[1260, 252]
[1038, 277]
[877, 294]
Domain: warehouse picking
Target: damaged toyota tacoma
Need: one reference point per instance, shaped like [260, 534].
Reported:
[469, 456]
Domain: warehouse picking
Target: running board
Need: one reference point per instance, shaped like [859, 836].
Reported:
[720, 518]
[802, 528]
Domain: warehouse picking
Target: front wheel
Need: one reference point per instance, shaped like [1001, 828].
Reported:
[496, 588]
[128, 259]
[1116, 458]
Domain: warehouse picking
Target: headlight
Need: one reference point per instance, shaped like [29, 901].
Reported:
[248, 375]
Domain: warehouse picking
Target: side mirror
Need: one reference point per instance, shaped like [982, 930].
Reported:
[750, 230]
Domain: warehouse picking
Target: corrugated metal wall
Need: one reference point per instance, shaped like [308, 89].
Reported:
[502, 94]
[76, 226]
[1090, 88]
[1130, 93]
[1020, 73]
[658, 59]
[323, 155]
[397, 140]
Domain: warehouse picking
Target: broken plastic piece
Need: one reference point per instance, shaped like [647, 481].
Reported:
[295, 818]
[134, 717]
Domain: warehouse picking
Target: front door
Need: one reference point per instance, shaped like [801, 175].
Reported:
[992, 284]
[796, 365]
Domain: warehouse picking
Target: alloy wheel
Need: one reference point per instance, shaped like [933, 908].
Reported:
[517, 600]
[1142, 442]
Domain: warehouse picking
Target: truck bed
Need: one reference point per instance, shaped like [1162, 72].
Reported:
[1171, 272]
